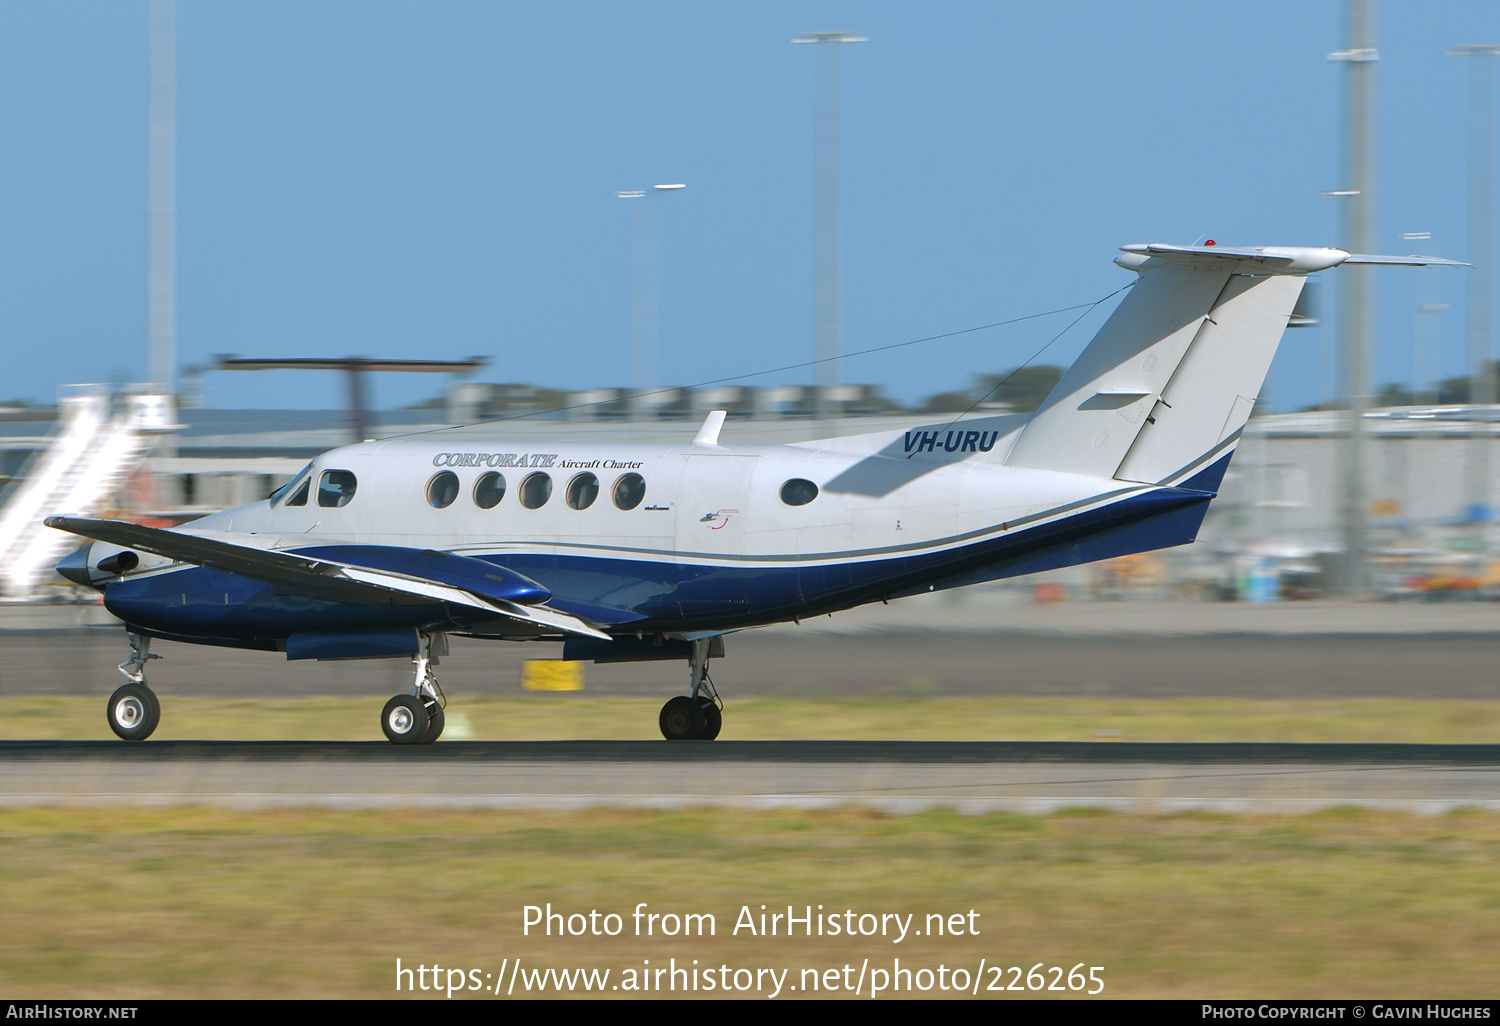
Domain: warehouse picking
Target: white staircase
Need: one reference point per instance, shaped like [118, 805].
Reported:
[90, 457]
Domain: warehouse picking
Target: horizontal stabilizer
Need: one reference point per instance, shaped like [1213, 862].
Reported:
[1403, 261]
[1262, 259]
[316, 576]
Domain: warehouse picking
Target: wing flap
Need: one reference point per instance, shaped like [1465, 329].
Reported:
[539, 615]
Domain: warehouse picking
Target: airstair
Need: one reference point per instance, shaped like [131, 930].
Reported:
[91, 455]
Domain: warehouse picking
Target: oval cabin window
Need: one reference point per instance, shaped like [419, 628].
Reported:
[489, 490]
[442, 489]
[628, 491]
[582, 491]
[798, 492]
[536, 490]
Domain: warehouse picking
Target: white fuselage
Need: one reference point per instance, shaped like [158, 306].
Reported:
[710, 504]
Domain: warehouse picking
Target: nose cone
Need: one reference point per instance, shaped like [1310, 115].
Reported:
[75, 566]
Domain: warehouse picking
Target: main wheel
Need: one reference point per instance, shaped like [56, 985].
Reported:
[713, 719]
[405, 720]
[682, 719]
[434, 724]
[133, 712]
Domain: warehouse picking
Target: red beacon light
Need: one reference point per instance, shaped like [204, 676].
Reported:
[1210, 242]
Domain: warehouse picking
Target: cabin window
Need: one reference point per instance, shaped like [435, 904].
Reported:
[336, 488]
[280, 493]
[299, 497]
[536, 490]
[442, 489]
[798, 492]
[489, 490]
[628, 491]
[582, 491]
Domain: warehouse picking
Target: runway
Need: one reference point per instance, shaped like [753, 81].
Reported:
[803, 662]
[935, 648]
[893, 777]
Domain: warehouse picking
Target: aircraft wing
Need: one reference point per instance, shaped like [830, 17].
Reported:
[322, 576]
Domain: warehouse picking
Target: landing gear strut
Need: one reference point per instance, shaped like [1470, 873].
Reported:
[133, 711]
[417, 718]
[698, 715]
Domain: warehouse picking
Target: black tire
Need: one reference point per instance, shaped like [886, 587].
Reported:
[682, 719]
[713, 719]
[133, 712]
[434, 724]
[404, 720]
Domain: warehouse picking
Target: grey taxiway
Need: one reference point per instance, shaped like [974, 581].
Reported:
[1097, 649]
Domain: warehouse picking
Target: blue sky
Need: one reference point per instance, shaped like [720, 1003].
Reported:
[411, 179]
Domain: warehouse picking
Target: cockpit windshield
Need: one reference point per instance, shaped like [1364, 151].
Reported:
[281, 492]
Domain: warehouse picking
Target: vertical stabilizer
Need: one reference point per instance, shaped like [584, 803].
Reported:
[1176, 369]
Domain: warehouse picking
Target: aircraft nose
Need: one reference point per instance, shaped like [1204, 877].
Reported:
[75, 565]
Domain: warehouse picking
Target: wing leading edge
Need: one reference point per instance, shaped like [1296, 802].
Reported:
[320, 576]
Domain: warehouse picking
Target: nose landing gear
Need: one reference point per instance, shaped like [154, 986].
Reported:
[133, 710]
[417, 718]
[698, 715]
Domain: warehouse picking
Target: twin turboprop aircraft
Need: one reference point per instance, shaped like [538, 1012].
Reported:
[631, 552]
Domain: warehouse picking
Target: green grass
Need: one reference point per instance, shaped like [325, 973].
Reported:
[583, 716]
[216, 903]
[211, 902]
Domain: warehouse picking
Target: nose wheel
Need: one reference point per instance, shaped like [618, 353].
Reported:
[133, 711]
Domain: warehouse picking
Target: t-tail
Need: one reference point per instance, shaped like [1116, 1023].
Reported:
[1162, 393]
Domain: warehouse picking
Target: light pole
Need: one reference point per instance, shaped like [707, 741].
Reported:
[1426, 356]
[827, 319]
[1481, 284]
[1358, 295]
[643, 324]
[161, 208]
[1330, 356]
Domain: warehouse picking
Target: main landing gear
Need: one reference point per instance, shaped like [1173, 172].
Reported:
[698, 715]
[417, 718]
[133, 710]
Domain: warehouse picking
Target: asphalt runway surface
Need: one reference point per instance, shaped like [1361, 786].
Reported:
[1413, 654]
[897, 777]
[783, 661]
